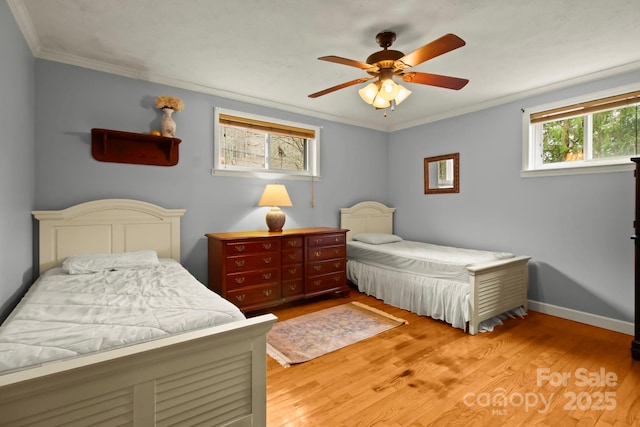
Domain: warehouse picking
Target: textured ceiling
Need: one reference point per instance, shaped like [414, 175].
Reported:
[265, 52]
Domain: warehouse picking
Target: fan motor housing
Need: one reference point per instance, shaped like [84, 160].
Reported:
[384, 58]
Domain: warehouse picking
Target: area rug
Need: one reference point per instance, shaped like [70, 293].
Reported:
[306, 337]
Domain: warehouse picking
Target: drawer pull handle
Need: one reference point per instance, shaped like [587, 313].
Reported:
[267, 292]
[266, 276]
[239, 248]
[317, 254]
[337, 239]
[318, 241]
[292, 243]
[240, 297]
[293, 271]
[317, 267]
[266, 246]
[337, 265]
[239, 263]
[338, 251]
[317, 282]
[240, 279]
[266, 260]
[293, 287]
[293, 256]
[336, 279]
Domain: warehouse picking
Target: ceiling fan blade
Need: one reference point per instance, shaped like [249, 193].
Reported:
[444, 44]
[349, 62]
[340, 86]
[435, 80]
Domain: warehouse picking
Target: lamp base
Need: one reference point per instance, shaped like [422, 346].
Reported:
[275, 219]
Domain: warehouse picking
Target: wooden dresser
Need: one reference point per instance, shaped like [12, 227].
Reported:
[258, 269]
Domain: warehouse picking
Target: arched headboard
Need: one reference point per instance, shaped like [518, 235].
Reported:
[367, 217]
[107, 226]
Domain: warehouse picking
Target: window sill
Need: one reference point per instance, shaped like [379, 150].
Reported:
[578, 170]
[264, 175]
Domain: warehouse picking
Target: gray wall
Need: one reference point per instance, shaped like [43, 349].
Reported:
[575, 228]
[16, 160]
[72, 100]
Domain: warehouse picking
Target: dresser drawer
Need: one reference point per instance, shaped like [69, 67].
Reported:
[320, 254]
[292, 256]
[324, 283]
[292, 271]
[252, 278]
[292, 242]
[326, 240]
[252, 262]
[256, 295]
[325, 267]
[292, 288]
[252, 246]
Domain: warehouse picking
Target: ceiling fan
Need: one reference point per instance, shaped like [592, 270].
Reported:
[386, 63]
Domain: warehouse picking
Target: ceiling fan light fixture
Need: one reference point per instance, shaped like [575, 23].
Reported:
[403, 93]
[369, 93]
[380, 102]
[389, 89]
[383, 65]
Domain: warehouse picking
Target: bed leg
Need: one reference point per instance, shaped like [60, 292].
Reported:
[473, 328]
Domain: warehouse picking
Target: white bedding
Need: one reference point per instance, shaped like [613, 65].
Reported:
[66, 315]
[426, 279]
[437, 261]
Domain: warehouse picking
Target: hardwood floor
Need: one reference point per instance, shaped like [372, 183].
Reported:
[536, 371]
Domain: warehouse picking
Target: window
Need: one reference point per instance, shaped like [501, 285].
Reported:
[587, 135]
[251, 145]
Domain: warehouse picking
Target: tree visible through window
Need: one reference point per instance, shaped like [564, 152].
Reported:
[605, 129]
[613, 133]
[252, 143]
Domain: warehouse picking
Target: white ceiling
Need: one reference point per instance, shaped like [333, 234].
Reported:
[265, 52]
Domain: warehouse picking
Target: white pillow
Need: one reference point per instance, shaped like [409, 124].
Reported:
[93, 263]
[377, 238]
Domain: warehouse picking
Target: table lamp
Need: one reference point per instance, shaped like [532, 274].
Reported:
[275, 195]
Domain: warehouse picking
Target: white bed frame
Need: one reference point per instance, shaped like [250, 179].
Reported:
[495, 287]
[213, 376]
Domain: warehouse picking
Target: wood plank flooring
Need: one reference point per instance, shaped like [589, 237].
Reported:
[536, 371]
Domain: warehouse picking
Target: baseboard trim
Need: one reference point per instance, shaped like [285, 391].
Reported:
[582, 317]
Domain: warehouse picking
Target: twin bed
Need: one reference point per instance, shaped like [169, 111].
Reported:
[459, 286]
[129, 336]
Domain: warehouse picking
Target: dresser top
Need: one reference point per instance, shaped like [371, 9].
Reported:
[233, 235]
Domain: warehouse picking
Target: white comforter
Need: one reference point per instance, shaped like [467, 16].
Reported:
[426, 259]
[66, 315]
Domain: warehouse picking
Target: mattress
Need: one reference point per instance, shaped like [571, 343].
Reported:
[435, 261]
[67, 315]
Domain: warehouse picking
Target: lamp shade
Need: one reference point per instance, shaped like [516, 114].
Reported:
[368, 93]
[389, 89]
[275, 195]
[403, 93]
[380, 102]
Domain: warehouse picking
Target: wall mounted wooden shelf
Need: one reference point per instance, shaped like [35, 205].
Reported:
[136, 148]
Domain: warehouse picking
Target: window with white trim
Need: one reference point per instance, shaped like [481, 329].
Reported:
[251, 145]
[599, 133]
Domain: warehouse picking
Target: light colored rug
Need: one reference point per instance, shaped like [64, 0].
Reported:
[306, 337]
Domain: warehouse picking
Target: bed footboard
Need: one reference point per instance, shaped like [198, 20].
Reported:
[497, 287]
[215, 376]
